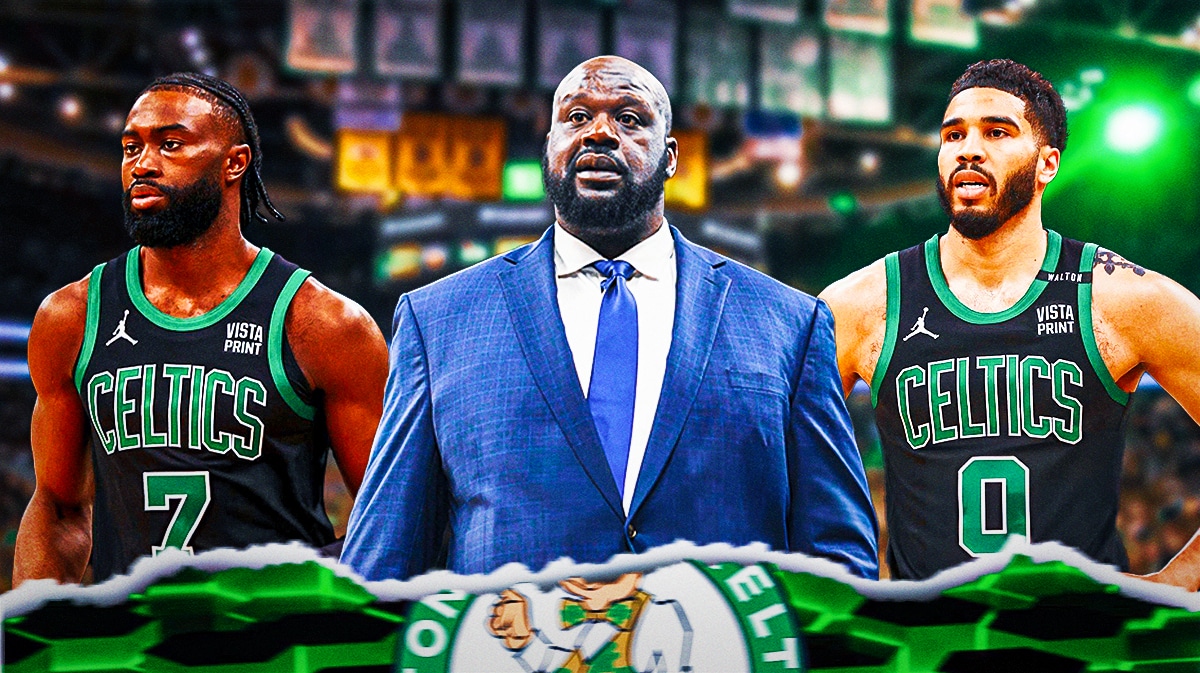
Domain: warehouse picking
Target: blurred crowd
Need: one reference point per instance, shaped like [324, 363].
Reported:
[1160, 489]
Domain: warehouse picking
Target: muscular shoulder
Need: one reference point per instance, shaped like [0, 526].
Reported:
[858, 301]
[66, 307]
[327, 331]
[57, 332]
[1121, 287]
[1137, 313]
[859, 306]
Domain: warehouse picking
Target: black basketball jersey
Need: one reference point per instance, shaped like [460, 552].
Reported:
[996, 424]
[203, 431]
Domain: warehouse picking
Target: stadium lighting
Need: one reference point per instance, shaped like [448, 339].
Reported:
[522, 181]
[1133, 129]
[7, 91]
[843, 203]
[868, 162]
[114, 121]
[788, 174]
[1193, 91]
[190, 37]
[70, 108]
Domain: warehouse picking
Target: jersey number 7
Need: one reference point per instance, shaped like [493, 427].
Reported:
[191, 489]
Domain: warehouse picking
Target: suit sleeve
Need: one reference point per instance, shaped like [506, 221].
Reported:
[831, 513]
[399, 517]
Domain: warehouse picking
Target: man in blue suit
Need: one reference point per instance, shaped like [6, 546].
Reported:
[611, 387]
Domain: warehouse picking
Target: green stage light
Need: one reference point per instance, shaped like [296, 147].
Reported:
[522, 180]
[1194, 91]
[843, 203]
[1133, 128]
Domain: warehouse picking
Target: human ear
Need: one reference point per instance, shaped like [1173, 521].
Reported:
[672, 156]
[237, 162]
[1048, 163]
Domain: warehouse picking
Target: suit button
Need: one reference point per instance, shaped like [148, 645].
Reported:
[632, 531]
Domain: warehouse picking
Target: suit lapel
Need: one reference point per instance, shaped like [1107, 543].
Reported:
[531, 293]
[701, 287]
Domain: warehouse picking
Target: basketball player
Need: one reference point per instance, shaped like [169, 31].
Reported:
[208, 376]
[1001, 355]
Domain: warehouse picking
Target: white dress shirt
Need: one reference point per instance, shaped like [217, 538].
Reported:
[653, 288]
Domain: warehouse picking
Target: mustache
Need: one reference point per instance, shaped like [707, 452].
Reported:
[971, 167]
[621, 168]
[167, 191]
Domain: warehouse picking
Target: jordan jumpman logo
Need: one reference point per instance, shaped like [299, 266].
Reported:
[120, 333]
[919, 327]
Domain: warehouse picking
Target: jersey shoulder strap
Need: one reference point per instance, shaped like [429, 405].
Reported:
[1087, 260]
[90, 325]
[296, 395]
[891, 265]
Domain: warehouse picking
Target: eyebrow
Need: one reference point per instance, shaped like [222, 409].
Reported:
[1007, 121]
[625, 100]
[160, 129]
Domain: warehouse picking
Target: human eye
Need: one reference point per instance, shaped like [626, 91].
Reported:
[629, 119]
[577, 117]
[997, 133]
[952, 135]
[171, 144]
[130, 149]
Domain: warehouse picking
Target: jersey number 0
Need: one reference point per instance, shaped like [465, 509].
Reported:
[993, 503]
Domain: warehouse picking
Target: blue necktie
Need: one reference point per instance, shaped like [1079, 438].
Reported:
[614, 367]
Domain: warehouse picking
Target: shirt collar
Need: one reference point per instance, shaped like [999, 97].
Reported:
[651, 257]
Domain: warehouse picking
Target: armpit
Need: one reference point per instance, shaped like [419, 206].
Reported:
[873, 345]
[1115, 350]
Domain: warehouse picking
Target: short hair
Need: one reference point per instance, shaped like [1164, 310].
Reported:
[232, 111]
[1044, 108]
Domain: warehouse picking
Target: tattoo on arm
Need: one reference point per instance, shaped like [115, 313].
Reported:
[1112, 261]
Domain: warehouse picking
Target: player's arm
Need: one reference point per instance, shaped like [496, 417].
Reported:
[343, 354]
[1146, 322]
[831, 512]
[859, 305]
[55, 537]
[399, 518]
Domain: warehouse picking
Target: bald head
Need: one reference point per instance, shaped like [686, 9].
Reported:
[609, 153]
[617, 73]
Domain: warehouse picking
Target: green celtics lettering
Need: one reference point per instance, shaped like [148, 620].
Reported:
[130, 394]
[1010, 379]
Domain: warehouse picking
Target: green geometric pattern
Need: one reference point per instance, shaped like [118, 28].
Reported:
[303, 618]
[1028, 618]
[298, 618]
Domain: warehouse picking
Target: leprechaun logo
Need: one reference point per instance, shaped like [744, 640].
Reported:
[685, 617]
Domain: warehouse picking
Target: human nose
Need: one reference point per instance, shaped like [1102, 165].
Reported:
[970, 149]
[145, 164]
[600, 132]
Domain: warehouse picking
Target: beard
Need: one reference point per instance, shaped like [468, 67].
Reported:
[189, 213]
[621, 215]
[1014, 197]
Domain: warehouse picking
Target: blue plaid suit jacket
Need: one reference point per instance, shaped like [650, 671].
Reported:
[486, 429]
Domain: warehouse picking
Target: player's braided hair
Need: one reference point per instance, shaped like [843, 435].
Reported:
[1043, 106]
[233, 109]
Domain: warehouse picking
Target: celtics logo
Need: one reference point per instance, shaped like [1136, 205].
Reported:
[683, 617]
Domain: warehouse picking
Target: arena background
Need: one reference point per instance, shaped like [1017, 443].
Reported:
[401, 139]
